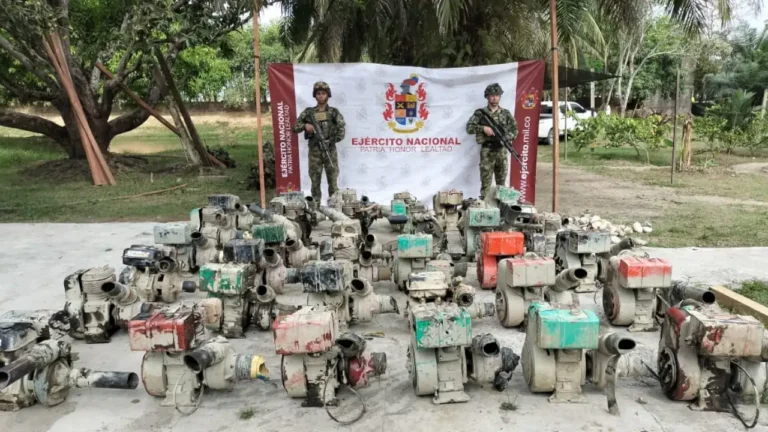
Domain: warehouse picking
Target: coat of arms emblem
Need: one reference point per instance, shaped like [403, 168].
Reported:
[407, 111]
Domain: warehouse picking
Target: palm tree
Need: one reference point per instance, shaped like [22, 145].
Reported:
[463, 32]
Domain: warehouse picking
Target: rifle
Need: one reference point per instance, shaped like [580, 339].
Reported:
[319, 132]
[500, 135]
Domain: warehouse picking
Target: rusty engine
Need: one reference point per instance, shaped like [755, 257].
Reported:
[712, 359]
[247, 284]
[582, 249]
[316, 359]
[563, 350]
[333, 284]
[632, 286]
[493, 247]
[363, 210]
[36, 367]
[223, 219]
[442, 354]
[413, 253]
[97, 305]
[180, 359]
[447, 208]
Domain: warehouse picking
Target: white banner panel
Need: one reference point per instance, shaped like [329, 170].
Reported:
[405, 126]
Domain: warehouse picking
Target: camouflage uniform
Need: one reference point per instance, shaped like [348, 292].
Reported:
[332, 123]
[493, 161]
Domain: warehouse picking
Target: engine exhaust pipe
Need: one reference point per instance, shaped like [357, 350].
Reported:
[82, 378]
[370, 241]
[486, 345]
[683, 291]
[366, 258]
[120, 293]
[464, 296]
[250, 367]
[568, 279]
[37, 357]
[361, 287]
[206, 355]
[615, 344]
[351, 345]
[510, 213]
[293, 245]
[265, 294]
[271, 257]
[200, 240]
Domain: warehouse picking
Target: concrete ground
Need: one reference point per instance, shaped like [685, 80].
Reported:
[35, 259]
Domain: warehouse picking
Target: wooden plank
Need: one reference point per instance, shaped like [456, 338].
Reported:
[196, 141]
[58, 50]
[740, 304]
[99, 178]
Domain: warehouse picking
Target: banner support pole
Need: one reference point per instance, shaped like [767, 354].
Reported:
[257, 86]
[555, 110]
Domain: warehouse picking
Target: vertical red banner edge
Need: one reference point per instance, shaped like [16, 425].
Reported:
[530, 81]
[282, 92]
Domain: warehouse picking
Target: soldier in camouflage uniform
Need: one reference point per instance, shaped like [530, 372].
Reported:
[332, 123]
[493, 155]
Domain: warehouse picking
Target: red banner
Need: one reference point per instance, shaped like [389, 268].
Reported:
[283, 106]
[530, 80]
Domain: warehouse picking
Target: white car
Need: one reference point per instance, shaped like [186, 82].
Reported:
[546, 124]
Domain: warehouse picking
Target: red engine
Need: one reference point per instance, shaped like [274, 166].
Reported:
[494, 246]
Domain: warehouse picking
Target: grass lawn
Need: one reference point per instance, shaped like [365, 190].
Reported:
[756, 290]
[707, 178]
[52, 200]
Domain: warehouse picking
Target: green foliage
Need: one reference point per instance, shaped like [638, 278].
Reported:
[644, 134]
[202, 72]
[733, 124]
[756, 290]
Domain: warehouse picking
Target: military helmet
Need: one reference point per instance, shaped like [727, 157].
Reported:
[493, 89]
[321, 85]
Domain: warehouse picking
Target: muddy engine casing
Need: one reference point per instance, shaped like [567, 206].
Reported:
[37, 369]
[224, 219]
[332, 284]
[413, 252]
[402, 207]
[442, 355]
[493, 247]
[477, 219]
[158, 273]
[20, 331]
[697, 350]
[558, 343]
[431, 286]
[629, 297]
[180, 358]
[233, 284]
[90, 310]
[446, 205]
[521, 281]
[580, 249]
[346, 236]
[298, 209]
[316, 358]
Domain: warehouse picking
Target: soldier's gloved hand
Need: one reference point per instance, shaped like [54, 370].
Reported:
[308, 127]
[487, 130]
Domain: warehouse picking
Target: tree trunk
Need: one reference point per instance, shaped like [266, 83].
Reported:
[72, 142]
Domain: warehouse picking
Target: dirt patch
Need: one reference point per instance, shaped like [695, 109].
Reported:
[585, 192]
[143, 147]
[70, 170]
[750, 168]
